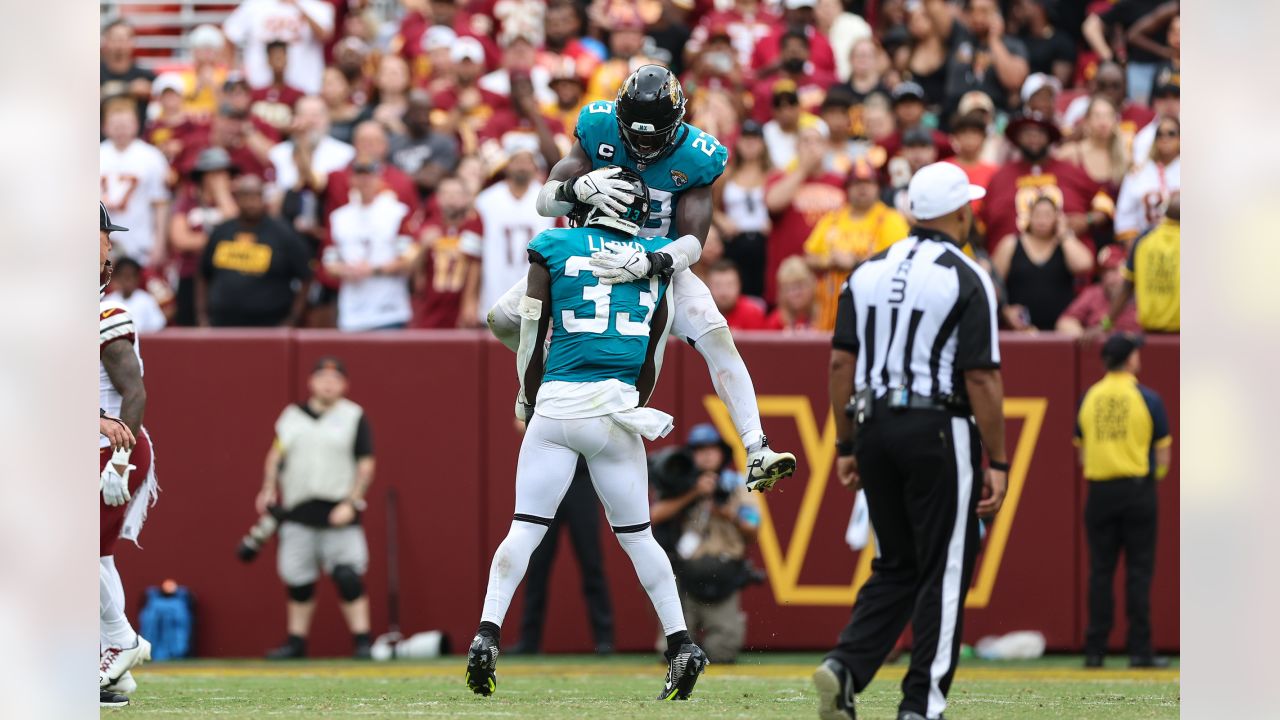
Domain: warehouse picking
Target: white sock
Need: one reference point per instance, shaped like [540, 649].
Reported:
[653, 567]
[733, 384]
[508, 568]
[115, 630]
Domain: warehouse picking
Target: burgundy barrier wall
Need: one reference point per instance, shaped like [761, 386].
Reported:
[441, 409]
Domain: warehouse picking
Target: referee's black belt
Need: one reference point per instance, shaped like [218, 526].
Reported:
[884, 407]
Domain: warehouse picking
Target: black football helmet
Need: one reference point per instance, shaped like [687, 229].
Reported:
[634, 215]
[650, 110]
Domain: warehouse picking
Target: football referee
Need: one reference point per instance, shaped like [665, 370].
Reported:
[916, 360]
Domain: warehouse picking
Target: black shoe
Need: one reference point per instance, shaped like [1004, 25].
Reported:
[683, 670]
[604, 648]
[109, 698]
[1153, 662]
[835, 691]
[292, 649]
[524, 648]
[363, 650]
[482, 662]
[912, 715]
[1094, 661]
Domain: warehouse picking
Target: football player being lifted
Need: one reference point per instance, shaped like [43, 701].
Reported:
[644, 130]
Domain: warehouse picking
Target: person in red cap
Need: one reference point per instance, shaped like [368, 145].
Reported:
[1083, 318]
[846, 237]
[1018, 183]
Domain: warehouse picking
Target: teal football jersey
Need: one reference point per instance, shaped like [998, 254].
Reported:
[599, 331]
[697, 160]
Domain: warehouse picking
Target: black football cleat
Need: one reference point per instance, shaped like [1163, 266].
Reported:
[835, 691]
[1094, 661]
[111, 698]
[292, 649]
[1149, 662]
[683, 670]
[482, 665]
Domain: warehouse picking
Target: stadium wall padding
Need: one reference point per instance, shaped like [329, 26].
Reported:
[440, 404]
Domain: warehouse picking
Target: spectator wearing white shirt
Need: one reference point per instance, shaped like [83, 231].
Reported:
[126, 281]
[1147, 189]
[372, 253]
[321, 154]
[304, 24]
[133, 180]
[508, 210]
[1166, 101]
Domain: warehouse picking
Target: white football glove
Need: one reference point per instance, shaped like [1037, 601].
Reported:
[114, 486]
[599, 190]
[619, 263]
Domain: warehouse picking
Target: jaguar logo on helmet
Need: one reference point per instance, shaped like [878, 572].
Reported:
[679, 177]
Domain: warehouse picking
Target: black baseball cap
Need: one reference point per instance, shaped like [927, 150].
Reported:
[371, 168]
[1117, 349]
[1167, 89]
[751, 127]
[907, 90]
[104, 221]
[329, 362]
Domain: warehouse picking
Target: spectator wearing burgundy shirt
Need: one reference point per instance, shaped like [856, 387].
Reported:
[274, 103]
[372, 148]
[797, 197]
[447, 274]
[726, 290]
[909, 113]
[202, 205]
[1084, 317]
[797, 14]
[794, 64]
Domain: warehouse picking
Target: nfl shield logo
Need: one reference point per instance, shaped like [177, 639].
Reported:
[679, 177]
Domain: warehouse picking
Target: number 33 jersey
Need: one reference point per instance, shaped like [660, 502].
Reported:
[599, 332]
[697, 160]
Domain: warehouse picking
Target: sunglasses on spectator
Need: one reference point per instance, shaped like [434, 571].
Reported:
[1167, 133]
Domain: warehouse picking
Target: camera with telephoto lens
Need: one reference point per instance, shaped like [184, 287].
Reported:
[258, 535]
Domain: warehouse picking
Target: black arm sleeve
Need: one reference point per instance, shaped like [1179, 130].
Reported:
[977, 343]
[846, 330]
[364, 438]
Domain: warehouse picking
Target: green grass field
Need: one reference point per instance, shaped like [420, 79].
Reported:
[761, 686]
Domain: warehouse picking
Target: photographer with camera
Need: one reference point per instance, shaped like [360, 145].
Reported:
[315, 479]
[705, 518]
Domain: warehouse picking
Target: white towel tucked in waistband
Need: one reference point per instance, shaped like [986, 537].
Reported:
[647, 422]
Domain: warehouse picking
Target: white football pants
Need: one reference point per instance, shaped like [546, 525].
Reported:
[616, 459]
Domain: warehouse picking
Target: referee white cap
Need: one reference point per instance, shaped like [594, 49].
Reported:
[940, 188]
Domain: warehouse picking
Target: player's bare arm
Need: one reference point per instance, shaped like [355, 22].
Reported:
[535, 320]
[648, 377]
[116, 432]
[125, 372]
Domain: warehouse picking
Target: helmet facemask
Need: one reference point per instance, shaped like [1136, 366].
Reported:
[646, 143]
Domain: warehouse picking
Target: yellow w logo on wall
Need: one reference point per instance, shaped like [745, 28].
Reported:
[817, 457]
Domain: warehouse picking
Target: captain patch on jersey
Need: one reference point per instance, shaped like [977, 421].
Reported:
[696, 160]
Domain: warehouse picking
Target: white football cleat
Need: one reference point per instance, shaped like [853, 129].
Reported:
[126, 684]
[766, 467]
[118, 661]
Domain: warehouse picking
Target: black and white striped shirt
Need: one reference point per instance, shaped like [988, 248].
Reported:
[917, 315]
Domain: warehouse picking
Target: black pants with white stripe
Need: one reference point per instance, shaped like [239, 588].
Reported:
[921, 472]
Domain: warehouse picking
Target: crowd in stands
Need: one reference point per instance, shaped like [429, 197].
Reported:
[321, 163]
